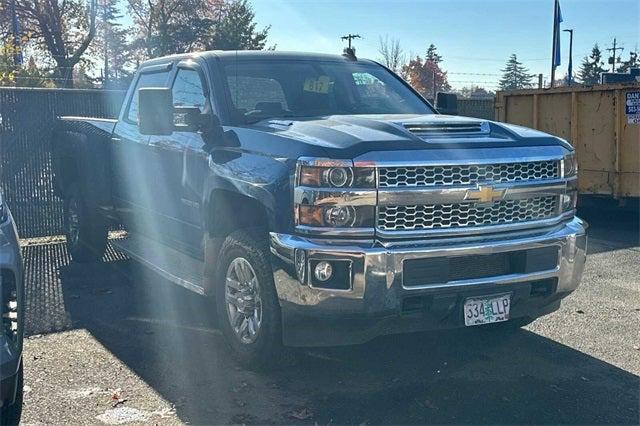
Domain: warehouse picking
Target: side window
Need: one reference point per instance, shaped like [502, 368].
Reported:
[187, 89]
[152, 79]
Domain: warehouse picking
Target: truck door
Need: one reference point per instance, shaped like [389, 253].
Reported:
[133, 188]
[183, 165]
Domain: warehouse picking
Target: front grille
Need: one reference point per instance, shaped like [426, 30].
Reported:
[395, 177]
[441, 270]
[443, 216]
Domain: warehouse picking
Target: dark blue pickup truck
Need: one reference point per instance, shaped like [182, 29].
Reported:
[322, 201]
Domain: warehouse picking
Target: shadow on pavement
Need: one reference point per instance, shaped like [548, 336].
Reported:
[611, 229]
[169, 338]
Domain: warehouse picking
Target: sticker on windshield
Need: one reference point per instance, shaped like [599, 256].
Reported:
[320, 85]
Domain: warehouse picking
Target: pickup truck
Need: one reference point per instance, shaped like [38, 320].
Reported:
[322, 201]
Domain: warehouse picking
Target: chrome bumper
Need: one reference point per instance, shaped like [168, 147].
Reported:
[376, 292]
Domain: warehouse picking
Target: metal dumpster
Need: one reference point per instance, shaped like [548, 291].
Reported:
[602, 122]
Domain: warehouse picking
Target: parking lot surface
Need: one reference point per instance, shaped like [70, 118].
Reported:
[113, 343]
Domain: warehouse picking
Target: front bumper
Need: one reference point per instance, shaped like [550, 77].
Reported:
[377, 303]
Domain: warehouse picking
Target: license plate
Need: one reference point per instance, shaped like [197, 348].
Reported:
[488, 310]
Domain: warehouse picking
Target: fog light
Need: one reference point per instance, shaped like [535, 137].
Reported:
[323, 271]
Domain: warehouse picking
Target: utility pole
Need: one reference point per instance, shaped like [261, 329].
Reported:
[106, 44]
[350, 37]
[570, 70]
[612, 59]
[433, 76]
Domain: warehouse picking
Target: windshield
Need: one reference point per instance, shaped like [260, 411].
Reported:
[278, 89]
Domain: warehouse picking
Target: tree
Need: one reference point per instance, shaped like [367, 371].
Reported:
[632, 62]
[20, 76]
[591, 68]
[391, 53]
[64, 28]
[111, 45]
[173, 26]
[432, 54]
[515, 76]
[421, 75]
[237, 29]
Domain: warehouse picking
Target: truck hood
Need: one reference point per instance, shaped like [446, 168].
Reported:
[347, 136]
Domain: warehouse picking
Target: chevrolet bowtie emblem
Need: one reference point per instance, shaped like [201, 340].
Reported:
[485, 194]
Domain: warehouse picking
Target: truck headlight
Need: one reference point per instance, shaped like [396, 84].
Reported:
[335, 216]
[569, 165]
[336, 177]
[336, 195]
[569, 201]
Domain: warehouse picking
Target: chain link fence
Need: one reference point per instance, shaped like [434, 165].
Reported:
[27, 119]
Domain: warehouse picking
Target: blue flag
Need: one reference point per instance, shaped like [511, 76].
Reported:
[557, 18]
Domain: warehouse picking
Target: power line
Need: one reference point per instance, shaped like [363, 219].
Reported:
[474, 73]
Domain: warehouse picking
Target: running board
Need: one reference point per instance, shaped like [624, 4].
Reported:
[172, 264]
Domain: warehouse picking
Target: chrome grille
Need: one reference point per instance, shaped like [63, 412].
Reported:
[395, 177]
[442, 216]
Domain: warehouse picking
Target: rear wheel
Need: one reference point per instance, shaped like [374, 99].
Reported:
[11, 413]
[86, 230]
[246, 300]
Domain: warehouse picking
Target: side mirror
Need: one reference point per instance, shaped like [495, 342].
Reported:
[155, 111]
[447, 103]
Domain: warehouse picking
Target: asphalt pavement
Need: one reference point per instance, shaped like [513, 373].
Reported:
[114, 343]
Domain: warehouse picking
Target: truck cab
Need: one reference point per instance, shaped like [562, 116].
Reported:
[320, 200]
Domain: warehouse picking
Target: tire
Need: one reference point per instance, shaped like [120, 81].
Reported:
[86, 230]
[262, 348]
[11, 414]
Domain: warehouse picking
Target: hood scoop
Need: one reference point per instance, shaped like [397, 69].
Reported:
[450, 128]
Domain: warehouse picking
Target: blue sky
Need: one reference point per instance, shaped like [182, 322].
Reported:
[474, 37]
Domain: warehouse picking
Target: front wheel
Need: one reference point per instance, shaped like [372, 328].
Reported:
[85, 229]
[246, 300]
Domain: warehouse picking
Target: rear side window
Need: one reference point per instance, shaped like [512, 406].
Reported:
[187, 90]
[151, 79]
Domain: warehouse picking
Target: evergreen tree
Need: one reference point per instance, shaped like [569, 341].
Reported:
[515, 76]
[633, 62]
[432, 54]
[591, 68]
[237, 29]
[110, 46]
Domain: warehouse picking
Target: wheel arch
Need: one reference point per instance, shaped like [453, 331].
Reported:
[228, 211]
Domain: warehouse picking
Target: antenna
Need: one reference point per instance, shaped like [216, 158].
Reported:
[350, 52]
